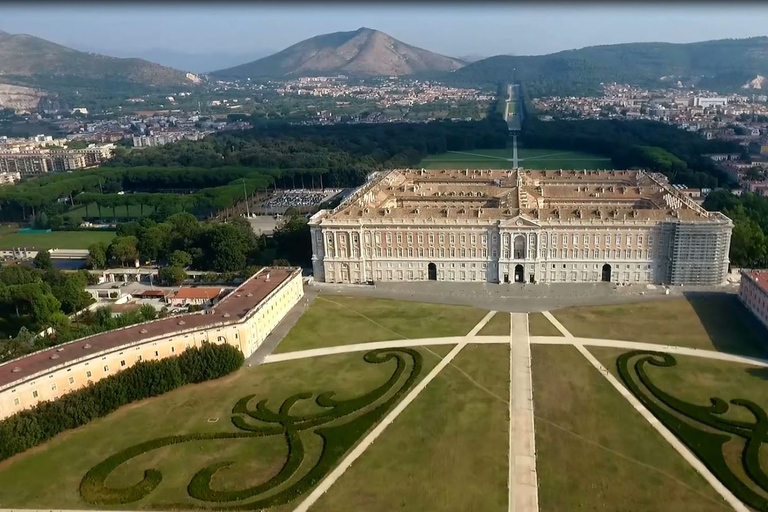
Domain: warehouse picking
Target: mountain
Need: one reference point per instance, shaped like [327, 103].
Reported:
[471, 57]
[29, 60]
[725, 65]
[364, 52]
[197, 62]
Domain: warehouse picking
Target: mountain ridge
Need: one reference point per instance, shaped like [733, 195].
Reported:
[29, 60]
[363, 52]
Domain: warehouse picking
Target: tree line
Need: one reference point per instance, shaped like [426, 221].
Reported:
[637, 144]
[749, 212]
[144, 379]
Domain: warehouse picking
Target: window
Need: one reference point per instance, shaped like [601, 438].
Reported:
[389, 252]
[442, 252]
[473, 239]
[575, 239]
[650, 240]
[597, 239]
[71, 380]
[431, 239]
[420, 238]
[106, 367]
[595, 254]
[377, 237]
[442, 238]
[618, 240]
[453, 238]
[157, 354]
[639, 254]
[565, 241]
[463, 239]
[628, 253]
[54, 387]
[88, 374]
[607, 239]
[484, 239]
[629, 239]
[122, 363]
[35, 394]
[554, 239]
[16, 401]
[399, 238]
[639, 239]
[389, 238]
[410, 252]
[410, 238]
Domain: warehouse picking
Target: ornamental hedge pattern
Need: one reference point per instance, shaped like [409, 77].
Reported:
[704, 429]
[145, 379]
[340, 424]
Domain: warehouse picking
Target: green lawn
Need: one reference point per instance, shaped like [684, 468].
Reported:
[502, 159]
[338, 320]
[709, 321]
[49, 476]
[92, 211]
[697, 380]
[539, 325]
[447, 451]
[595, 452]
[55, 239]
[498, 325]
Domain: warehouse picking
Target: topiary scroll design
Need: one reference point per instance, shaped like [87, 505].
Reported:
[340, 424]
[704, 429]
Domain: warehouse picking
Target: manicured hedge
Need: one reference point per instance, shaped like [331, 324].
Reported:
[708, 446]
[143, 380]
[337, 440]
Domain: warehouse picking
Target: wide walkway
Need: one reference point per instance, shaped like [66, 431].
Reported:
[523, 486]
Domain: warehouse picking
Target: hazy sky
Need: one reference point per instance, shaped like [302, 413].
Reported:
[453, 28]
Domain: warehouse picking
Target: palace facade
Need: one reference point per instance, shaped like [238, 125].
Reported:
[504, 226]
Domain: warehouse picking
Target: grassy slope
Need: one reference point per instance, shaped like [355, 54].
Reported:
[575, 474]
[337, 320]
[55, 239]
[716, 322]
[502, 159]
[64, 460]
[447, 451]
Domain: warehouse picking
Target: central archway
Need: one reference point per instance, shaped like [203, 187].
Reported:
[519, 277]
[606, 273]
[432, 272]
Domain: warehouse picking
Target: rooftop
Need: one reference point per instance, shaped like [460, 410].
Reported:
[198, 293]
[491, 195]
[230, 309]
[760, 277]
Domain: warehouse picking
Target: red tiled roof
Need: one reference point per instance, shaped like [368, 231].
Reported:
[231, 309]
[153, 293]
[760, 277]
[198, 293]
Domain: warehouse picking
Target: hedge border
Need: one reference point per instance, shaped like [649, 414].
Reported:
[337, 440]
[707, 446]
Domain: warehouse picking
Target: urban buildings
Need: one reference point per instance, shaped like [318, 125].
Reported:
[502, 226]
[40, 161]
[753, 293]
[243, 318]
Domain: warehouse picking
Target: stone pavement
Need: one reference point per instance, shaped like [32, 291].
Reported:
[523, 481]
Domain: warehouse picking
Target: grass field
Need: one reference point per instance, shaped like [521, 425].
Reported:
[447, 451]
[134, 212]
[706, 321]
[55, 239]
[49, 476]
[697, 380]
[337, 320]
[498, 325]
[529, 159]
[539, 325]
[595, 452]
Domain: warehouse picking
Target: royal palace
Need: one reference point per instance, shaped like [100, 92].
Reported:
[503, 226]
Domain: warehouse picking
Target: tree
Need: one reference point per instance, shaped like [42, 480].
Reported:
[123, 250]
[147, 312]
[44, 307]
[97, 255]
[153, 241]
[172, 276]
[43, 260]
[180, 259]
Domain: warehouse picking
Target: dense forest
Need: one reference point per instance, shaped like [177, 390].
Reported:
[749, 212]
[343, 154]
[643, 144]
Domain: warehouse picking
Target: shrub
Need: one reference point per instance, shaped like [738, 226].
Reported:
[145, 379]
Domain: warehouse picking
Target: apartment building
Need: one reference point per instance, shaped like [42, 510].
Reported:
[243, 318]
[41, 161]
[503, 226]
